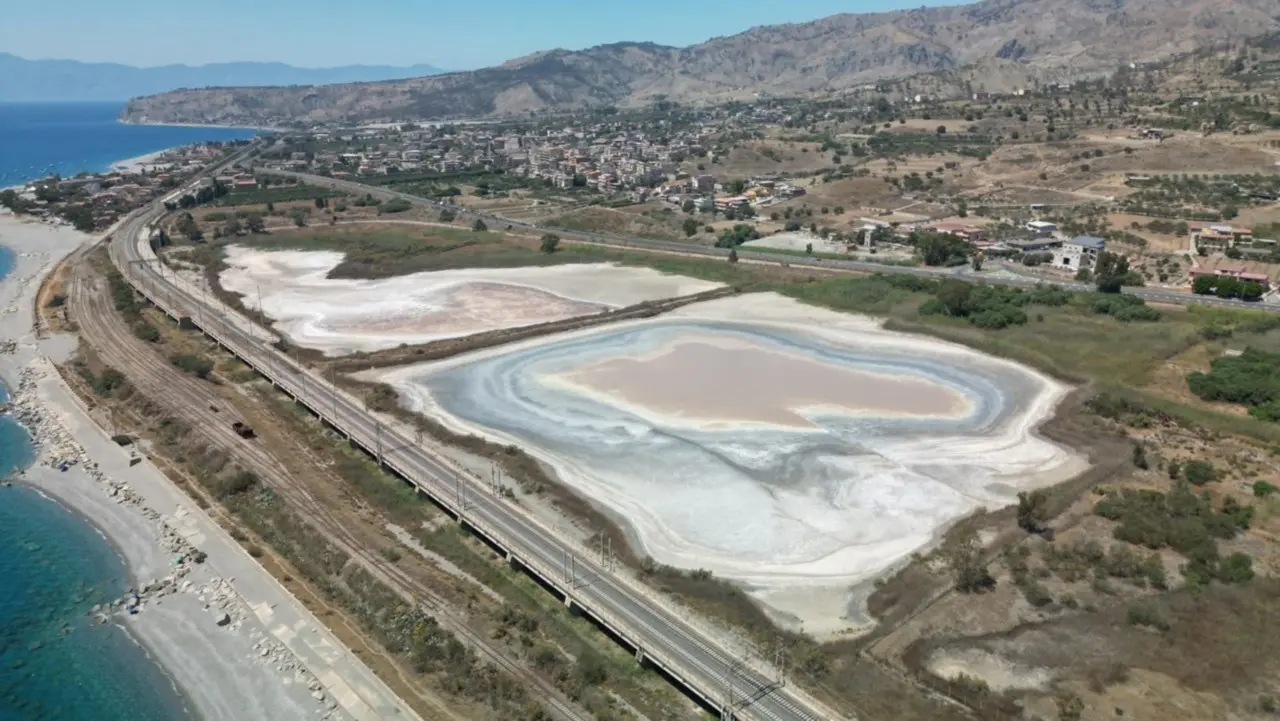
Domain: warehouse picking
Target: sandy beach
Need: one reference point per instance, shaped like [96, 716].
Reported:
[232, 639]
[142, 163]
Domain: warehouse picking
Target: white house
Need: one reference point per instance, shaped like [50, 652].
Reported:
[1079, 252]
[1042, 227]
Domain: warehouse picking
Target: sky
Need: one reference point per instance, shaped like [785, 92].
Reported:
[455, 35]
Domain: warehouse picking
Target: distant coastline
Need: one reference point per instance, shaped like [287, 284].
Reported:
[42, 139]
[215, 126]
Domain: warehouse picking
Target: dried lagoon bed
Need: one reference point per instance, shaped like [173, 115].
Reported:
[342, 316]
[797, 450]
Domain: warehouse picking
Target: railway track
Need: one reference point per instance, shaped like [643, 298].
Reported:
[190, 400]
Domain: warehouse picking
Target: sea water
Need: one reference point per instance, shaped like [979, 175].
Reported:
[55, 662]
[39, 139]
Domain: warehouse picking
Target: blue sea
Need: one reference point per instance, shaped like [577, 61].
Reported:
[55, 664]
[38, 139]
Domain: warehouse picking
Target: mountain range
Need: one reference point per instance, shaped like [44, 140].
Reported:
[23, 80]
[992, 43]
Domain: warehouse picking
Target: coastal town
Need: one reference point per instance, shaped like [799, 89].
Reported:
[92, 201]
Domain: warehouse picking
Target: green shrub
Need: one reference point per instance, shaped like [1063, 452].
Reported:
[1036, 594]
[238, 483]
[1236, 568]
[195, 365]
[1144, 613]
[1180, 520]
[395, 205]
[146, 331]
[1262, 489]
[1250, 379]
[1199, 472]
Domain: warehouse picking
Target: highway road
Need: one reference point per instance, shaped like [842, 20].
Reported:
[650, 625]
[620, 241]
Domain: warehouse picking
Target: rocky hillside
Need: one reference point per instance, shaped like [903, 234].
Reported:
[1048, 38]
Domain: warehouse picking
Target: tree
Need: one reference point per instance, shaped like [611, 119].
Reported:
[964, 557]
[1199, 472]
[271, 207]
[941, 248]
[954, 296]
[550, 242]
[690, 226]
[1033, 510]
[320, 202]
[1203, 285]
[479, 226]
[1109, 271]
[942, 129]
[1236, 568]
[733, 255]
[1140, 455]
[255, 223]
[446, 216]
[976, 261]
[808, 248]
[1070, 707]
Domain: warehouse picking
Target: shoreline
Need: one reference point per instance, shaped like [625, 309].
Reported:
[233, 641]
[140, 163]
[48, 492]
[260, 129]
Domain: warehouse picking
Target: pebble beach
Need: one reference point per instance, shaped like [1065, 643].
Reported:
[234, 642]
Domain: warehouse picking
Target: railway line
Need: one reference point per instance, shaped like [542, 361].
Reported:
[191, 401]
[656, 631]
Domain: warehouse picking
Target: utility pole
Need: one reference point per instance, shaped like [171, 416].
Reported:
[605, 549]
[204, 297]
[495, 479]
[333, 384]
[726, 710]
[780, 658]
[252, 324]
[570, 573]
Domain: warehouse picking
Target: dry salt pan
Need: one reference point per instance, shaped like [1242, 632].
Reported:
[770, 442]
[341, 316]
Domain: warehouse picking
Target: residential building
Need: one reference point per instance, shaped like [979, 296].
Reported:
[1037, 245]
[729, 202]
[1042, 227]
[704, 183]
[1079, 252]
[1240, 273]
[1218, 238]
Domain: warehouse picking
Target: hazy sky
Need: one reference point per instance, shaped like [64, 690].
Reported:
[316, 33]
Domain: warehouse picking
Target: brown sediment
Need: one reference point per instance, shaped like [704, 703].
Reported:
[706, 379]
[469, 308]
